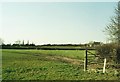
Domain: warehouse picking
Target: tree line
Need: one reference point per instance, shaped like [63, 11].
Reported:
[22, 45]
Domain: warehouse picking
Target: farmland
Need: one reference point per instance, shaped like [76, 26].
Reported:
[49, 65]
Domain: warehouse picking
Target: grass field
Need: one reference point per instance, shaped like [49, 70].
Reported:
[48, 65]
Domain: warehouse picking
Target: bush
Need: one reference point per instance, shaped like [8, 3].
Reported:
[105, 50]
[118, 54]
[110, 51]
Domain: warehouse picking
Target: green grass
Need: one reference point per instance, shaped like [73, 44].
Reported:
[47, 65]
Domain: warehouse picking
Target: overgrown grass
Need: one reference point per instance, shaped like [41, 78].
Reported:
[34, 65]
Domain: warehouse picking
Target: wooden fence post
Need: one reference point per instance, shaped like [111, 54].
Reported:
[85, 61]
[104, 65]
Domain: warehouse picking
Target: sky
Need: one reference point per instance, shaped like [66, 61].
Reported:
[59, 0]
[55, 22]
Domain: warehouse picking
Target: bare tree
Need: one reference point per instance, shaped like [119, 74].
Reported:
[113, 29]
[1, 41]
[18, 42]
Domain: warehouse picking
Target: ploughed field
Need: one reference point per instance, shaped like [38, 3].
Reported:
[50, 65]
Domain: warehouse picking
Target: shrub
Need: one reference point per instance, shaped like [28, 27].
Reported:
[118, 54]
[110, 51]
[105, 50]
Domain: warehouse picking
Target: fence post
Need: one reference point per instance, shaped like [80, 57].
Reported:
[85, 61]
[104, 65]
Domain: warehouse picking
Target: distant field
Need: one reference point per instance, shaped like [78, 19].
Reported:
[48, 65]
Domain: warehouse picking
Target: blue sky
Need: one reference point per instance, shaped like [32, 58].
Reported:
[55, 22]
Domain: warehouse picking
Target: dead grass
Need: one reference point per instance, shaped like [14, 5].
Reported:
[65, 59]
